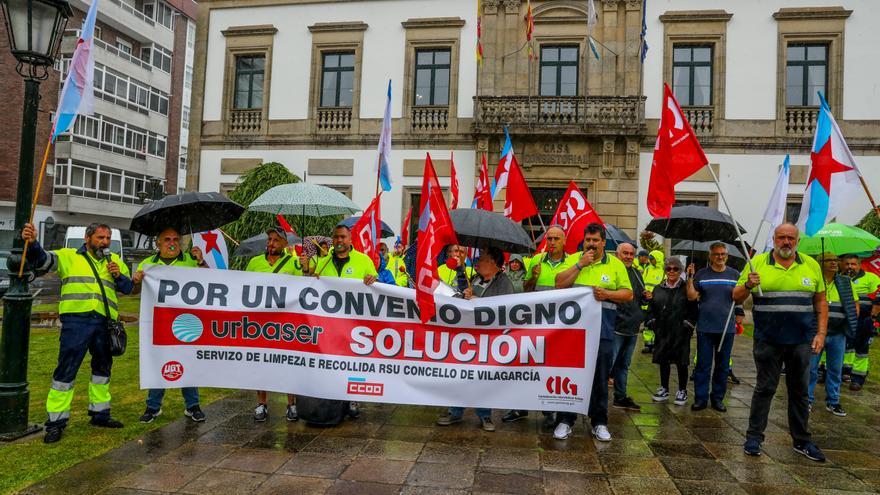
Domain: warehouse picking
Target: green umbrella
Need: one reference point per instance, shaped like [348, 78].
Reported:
[304, 199]
[838, 239]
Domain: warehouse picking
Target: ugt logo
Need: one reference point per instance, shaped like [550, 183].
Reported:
[172, 371]
[559, 385]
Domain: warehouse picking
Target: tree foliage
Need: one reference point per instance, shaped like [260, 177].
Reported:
[871, 223]
[649, 242]
[249, 187]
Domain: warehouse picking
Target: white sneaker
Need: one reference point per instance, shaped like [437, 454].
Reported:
[661, 395]
[601, 433]
[562, 431]
[681, 398]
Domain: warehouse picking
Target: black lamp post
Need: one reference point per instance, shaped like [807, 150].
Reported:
[35, 28]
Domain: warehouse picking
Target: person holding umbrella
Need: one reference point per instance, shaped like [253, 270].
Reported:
[276, 260]
[611, 286]
[866, 284]
[90, 278]
[170, 254]
[843, 312]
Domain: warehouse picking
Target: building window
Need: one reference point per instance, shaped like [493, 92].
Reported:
[337, 80]
[188, 77]
[559, 71]
[793, 208]
[165, 15]
[158, 57]
[123, 46]
[692, 75]
[181, 158]
[88, 180]
[806, 73]
[249, 81]
[184, 118]
[432, 77]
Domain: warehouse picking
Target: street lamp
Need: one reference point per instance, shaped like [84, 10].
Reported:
[35, 28]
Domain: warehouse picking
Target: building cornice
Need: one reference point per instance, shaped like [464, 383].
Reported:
[802, 13]
[255, 30]
[432, 22]
[695, 16]
[325, 27]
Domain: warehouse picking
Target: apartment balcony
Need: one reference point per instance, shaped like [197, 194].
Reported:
[430, 118]
[801, 121]
[124, 17]
[72, 200]
[334, 119]
[597, 115]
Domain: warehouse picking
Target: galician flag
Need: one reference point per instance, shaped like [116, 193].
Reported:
[213, 247]
[774, 215]
[834, 176]
[78, 94]
[503, 170]
[385, 146]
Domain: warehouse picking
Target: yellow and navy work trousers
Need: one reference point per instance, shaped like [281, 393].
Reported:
[855, 359]
[80, 333]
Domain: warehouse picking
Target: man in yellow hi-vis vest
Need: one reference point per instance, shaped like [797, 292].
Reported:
[83, 321]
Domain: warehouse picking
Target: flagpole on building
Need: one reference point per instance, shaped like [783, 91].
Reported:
[36, 199]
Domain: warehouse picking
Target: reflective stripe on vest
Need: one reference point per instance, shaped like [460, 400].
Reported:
[80, 292]
[835, 310]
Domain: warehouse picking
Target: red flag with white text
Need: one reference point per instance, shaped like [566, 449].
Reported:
[677, 156]
[435, 232]
[573, 214]
[365, 232]
[518, 203]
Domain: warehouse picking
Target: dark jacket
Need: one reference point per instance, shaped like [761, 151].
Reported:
[500, 285]
[630, 315]
[672, 317]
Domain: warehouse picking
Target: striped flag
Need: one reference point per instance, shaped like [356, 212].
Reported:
[530, 28]
[593, 47]
[78, 94]
[479, 49]
[774, 215]
[385, 146]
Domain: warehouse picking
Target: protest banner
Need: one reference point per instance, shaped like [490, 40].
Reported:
[341, 339]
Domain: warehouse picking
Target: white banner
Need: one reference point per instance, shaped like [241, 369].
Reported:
[341, 339]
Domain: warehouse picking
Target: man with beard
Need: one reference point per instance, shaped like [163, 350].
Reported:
[791, 320]
[170, 254]
[611, 286]
[88, 276]
[275, 260]
[855, 361]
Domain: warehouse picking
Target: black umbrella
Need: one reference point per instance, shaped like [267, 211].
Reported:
[696, 223]
[483, 229]
[257, 244]
[188, 213]
[699, 253]
[350, 221]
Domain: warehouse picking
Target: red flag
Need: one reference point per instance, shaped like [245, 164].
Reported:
[677, 156]
[404, 229]
[483, 191]
[435, 232]
[872, 264]
[519, 203]
[283, 223]
[530, 28]
[453, 182]
[573, 214]
[365, 233]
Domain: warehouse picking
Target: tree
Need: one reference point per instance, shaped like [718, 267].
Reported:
[871, 223]
[254, 183]
[649, 242]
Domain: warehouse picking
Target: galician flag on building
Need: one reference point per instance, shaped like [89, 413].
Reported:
[774, 215]
[834, 176]
[213, 247]
[77, 94]
[385, 146]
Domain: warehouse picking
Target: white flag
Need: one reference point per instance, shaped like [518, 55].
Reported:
[213, 247]
[774, 215]
[592, 16]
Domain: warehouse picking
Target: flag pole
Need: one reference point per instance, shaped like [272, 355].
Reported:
[733, 303]
[36, 198]
[732, 219]
[870, 198]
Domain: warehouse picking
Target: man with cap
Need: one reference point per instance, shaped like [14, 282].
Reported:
[276, 259]
[641, 261]
[397, 266]
[611, 286]
[489, 281]
[170, 254]
[855, 362]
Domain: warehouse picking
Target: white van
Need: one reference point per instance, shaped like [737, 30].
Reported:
[75, 237]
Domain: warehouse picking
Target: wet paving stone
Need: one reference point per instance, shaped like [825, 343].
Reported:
[757, 489]
[404, 433]
[515, 482]
[667, 448]
[831, 478]
[314, 465]
[281, 440]
[759, 473]
[633, 448]
[229, 436]
[573, 462]
[449, 454]
[524, 459]
[344, 487]
[86, 477]
[197, 454]
[224, 482]
[428, 490]
[675, 433]
[392, 449]
[282, 484]
[378, 471]
[718, 435]
[441, 475]
[622, 465]
[632, 485]
[559, 483]
[336, 446]
[256, 460]
[162, 477]
[696, 469]
[691, 487]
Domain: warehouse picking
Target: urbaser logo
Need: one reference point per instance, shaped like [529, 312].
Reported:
[559, 385]
[172, 371]
[360, 386]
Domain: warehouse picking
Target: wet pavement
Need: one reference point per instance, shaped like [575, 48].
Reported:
[398, 449]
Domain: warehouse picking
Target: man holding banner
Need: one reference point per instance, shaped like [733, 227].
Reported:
[611, 286]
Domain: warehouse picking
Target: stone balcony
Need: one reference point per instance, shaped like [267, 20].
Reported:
[701, 119]
[621, 115]
[333, 119]
[430, 118]
[244, 122]
[801, 121]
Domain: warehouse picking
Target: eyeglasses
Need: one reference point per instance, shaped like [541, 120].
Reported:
[673, 269]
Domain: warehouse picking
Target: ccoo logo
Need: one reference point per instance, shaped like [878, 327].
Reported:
[187, 328]
[172, 371]
[559, 385]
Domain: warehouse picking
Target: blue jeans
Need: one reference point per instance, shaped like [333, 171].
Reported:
[624, 345]
[481, 412]
[835, 345]
[707, 343]
[155, 395]
[598, 408]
